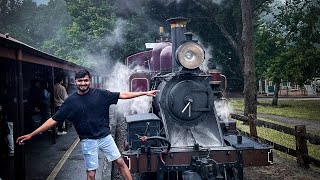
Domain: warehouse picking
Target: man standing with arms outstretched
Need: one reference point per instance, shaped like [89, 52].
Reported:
[88, 109]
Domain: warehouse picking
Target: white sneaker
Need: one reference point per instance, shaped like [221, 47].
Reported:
[61, 133]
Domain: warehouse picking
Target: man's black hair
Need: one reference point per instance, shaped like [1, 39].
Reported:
[59, 78]
[82, 73]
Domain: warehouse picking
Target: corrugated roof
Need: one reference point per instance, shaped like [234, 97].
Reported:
[9, 42]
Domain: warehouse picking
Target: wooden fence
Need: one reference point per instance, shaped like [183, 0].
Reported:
[301, 137]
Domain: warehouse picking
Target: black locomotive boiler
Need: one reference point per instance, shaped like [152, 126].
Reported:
[184, 137]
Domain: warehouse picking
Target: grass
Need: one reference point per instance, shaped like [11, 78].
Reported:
[312, 131]
[302, 109]
[281, 138]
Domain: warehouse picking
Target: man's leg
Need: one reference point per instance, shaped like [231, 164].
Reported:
[90, 153]
[123, 168]
[111, 151]
[91, 175]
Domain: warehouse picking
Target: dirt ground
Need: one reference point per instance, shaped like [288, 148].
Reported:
[283, 168]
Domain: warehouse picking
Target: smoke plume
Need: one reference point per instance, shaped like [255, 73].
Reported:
[118, 81]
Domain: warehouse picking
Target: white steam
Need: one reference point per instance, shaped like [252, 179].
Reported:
[117, 73]
[103, 60]
[204, 67]
[118, 81]
[118, 78]
[116, 36]
[223, 109]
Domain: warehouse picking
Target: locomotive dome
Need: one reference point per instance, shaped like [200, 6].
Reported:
[155, 62]
[165, 59]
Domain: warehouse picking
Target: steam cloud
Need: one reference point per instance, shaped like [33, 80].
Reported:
[223, 109]
[117, 74]
[204, 66]
[118, 82]
[100, 62]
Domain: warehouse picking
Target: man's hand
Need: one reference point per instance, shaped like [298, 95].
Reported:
[152, 93]
[45, 126]
[22, 139]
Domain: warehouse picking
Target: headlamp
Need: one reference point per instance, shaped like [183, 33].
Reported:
[190, 55]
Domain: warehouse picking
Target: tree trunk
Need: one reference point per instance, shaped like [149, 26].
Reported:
[237, 46]
[276, 94]
[250, 86]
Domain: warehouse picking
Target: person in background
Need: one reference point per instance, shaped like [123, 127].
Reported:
[34, 101]
[4, 129]
[60, 95]
[7, 120]
[72, 87]
[88, 109]
[45, 101]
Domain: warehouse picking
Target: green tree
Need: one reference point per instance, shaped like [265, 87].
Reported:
[17, 20]
[9, 13]
[298, 23]
[288, 46]
[139, 31]
[90, 22]
[271, 64]
[50, 19]
[33, 24]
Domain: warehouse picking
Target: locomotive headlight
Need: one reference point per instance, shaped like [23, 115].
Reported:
[190, 55]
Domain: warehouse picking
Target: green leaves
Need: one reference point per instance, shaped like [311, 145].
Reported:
[288, 47]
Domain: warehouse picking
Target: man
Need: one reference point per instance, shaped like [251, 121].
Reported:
[60, 95]
[88, 109]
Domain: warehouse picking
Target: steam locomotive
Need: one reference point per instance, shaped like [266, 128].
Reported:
[184, 137]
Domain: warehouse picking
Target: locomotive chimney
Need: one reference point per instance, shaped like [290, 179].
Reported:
[178, 28]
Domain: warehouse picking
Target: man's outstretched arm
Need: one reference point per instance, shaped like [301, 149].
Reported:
[45, 126]
[129, 95]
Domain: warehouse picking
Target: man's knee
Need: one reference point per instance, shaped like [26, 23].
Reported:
[120, 162]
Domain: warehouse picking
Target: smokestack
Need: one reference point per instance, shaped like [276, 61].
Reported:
[178, 28]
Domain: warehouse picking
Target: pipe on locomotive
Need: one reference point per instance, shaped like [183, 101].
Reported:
[187, 54]
[178, 29]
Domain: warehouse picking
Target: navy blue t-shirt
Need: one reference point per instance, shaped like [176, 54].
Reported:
[89, 112]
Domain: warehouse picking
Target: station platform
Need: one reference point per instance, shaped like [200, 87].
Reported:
[60, 161]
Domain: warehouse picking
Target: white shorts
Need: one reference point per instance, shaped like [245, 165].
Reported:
[90, 151]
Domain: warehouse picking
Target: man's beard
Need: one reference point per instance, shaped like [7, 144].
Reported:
[83, 90]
